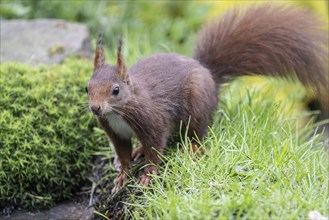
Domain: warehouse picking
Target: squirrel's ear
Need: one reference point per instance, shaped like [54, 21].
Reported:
[122, 71]
[99, 56]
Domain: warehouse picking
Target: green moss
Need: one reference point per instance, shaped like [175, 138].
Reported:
[47, 136]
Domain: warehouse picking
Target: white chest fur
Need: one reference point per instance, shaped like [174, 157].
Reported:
[120, 126]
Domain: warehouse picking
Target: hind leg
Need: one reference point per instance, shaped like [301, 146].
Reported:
[196, 128]
[196, 131]
[202, 103]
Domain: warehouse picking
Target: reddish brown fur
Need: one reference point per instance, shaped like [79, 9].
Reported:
[162, 91]
[121, 63]
[268, 40]
[99, 57]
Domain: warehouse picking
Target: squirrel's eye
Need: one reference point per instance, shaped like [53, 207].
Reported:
[86, 89]
[116, 90]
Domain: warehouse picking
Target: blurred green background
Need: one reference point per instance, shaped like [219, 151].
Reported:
[163, 25]
[148, 26]
[167, 25]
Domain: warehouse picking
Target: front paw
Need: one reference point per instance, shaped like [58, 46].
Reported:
[119, 181]
[145, 178]
[137, 153]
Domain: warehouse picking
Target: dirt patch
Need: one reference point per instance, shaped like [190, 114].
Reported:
[63, 210]
[79, 207]
[116, 206]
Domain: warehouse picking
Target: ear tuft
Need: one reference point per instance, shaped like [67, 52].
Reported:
[99, 56]
[122, 71]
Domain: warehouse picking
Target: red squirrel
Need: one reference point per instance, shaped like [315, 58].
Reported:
[153, 97]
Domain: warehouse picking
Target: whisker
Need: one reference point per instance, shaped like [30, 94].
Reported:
[126, 107]
[127, 117]
[83, 110]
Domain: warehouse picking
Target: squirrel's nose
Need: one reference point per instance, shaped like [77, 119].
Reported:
[96, 110]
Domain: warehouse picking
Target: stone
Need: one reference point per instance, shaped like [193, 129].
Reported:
[62, 210]
[43, 41]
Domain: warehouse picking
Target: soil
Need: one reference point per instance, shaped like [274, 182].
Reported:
[63, 210]
[115, 206]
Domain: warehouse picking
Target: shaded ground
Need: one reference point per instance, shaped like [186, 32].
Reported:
[63, 210]
[76, 208]
[98, 195]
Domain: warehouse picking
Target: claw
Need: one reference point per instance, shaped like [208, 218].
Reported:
[145, 178]
[119, 181]
[137, 153]
[195, 149]
[198, 150]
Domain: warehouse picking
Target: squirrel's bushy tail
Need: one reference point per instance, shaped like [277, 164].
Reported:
[268, 40]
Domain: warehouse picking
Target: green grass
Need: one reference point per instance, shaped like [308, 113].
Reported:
[257, 165]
